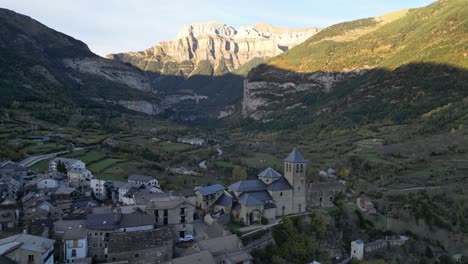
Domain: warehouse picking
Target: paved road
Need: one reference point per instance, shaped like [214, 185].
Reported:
[416, 189]
[35, 159]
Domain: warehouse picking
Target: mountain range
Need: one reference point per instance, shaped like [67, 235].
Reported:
[395, 67]
[391, 67]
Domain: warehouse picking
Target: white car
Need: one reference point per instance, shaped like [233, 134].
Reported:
[186, 238]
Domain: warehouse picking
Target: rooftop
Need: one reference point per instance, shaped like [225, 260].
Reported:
[202, 257]
[140, 178]
[208, 190]
[139, 240]
[269, 172]
[26, 242]
[248, 186]
[295, 157]
[280, 185]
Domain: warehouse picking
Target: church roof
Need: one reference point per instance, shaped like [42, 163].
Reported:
[271, 173]
[254, 198]
[248, 186]
[280, 185]
[295, 157]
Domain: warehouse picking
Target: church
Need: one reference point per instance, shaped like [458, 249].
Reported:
[271, 195]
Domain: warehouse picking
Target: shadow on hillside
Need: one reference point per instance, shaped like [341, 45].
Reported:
[353, 98]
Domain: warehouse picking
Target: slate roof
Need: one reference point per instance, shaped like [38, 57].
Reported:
[224, 200]
[320, 186]
[269, 172]
[188, 192]
[254, 198]
[27, 242]
[167, 202]
[139, 240]
[65, 190]
[295, 157]
[130, 220]
[280, 185]
[140, 178]
[202, 257]
[248, 186]
[106, 221]
[221, 245]
[208, 190]
[72, 234]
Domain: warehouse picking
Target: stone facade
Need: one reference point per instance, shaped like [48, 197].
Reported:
[174, 211]
[141, 247]
[323, 194]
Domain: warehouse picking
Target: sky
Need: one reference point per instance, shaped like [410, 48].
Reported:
[111, 26]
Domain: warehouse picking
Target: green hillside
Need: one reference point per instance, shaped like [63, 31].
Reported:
[437, 33]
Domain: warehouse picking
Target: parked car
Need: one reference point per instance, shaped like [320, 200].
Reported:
[186, 238]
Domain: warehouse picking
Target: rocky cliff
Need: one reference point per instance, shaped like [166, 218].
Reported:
[223, 46]
[392, 67]
[39, 64]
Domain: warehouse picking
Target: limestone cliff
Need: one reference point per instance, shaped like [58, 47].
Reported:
[223, 46]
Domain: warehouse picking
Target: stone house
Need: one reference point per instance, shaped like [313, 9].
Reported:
[322, 194]
[207, 196]
[174, 211]
[100, 227]
[146, 181]
[11, 169]
[25, 248]
[70, 233]
[141, 247]
[99, 188]
[366, 205]
[9, 214]
[79, 174]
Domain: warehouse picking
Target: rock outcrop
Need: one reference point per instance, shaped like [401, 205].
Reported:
[223, 46]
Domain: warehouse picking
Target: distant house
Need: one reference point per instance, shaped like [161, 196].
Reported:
[207, 196]
[77, 173]
[100, 227]
[75, 244]
[123, 189]
[147, 181]
[9, 214]
[69, 163]
[192, 141]
[24, 248]
[150, 246]
[11, 169]
[366, 205]
[322, 194]
[174, 211]
[99, 188]
[45, 182]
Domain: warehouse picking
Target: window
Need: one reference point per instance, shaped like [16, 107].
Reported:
[137, 255]
[182, 219]
[73, 253]
[297, 168]
[165, 212]
[182, 211]
[75, 243]
[31, 258]
[181, 233]
[107, 234]
[165, 221]
[281, 193]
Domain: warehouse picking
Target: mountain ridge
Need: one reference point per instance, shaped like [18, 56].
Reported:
[430, 36]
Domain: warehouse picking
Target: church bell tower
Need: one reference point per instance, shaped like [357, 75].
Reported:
[295, 167]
